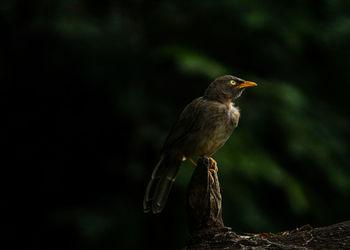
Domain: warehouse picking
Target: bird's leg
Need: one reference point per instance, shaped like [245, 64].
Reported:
[214, 164]
[210, 171]
[191, 161]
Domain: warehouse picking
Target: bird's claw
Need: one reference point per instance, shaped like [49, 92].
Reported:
[213, 164]
[210, 171]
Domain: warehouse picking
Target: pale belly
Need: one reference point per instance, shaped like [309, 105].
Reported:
[212, 141]
[213, 138]
[213, 134]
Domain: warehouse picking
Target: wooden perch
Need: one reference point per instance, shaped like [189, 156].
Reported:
[208, 231]
[204, 199]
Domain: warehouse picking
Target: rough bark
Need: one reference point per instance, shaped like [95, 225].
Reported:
[208, 231]
[204, 194]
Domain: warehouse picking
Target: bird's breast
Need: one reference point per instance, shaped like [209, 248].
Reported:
[234, 115]
[225, 124]
[218, 130]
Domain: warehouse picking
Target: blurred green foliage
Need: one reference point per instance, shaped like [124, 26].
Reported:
[99, 83]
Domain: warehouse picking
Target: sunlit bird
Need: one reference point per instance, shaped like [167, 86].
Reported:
[201, 129]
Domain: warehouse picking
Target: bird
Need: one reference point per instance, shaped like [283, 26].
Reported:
[202, 128]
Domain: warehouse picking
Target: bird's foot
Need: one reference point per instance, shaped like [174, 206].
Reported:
[213, 164]
[192, 162]
[210, 171]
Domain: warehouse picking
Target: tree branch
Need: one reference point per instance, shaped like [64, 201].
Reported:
[208, 231]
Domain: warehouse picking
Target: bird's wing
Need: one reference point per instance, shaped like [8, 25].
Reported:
[165, 172]
[187, 123]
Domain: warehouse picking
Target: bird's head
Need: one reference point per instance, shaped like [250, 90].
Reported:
[227, 88]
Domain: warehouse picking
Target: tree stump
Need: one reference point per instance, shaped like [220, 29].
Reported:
[206, 226]
[204, 199]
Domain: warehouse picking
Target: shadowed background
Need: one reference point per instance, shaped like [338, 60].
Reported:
[91, 89]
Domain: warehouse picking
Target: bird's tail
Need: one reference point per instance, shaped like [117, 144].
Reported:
[158, 188]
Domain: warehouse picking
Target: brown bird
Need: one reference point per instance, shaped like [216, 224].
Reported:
[202, 128]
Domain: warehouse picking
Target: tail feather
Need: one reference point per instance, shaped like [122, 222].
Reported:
[158, 188]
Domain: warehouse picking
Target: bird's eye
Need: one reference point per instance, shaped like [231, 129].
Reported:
[233, 83]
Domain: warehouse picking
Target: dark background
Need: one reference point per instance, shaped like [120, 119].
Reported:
[91, 88]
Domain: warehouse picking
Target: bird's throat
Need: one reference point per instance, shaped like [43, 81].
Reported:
[229, 103]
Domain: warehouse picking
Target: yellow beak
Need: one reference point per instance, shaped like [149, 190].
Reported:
[246, 84]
